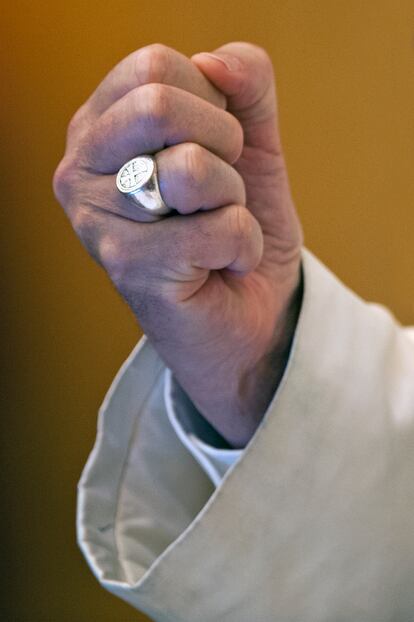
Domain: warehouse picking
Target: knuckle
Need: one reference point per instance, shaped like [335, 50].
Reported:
[82, 222]
[195, 166]
[156, 101]
[113, 258]
[64, 179]
[151, 63]
[240, 223]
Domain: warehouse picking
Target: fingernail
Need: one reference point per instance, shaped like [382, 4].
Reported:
[230, 62]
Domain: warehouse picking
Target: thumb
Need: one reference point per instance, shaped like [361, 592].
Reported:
[244, 73]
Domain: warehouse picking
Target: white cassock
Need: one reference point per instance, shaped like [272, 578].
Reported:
[312, 522]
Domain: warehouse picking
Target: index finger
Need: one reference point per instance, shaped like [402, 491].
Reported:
[152, 64]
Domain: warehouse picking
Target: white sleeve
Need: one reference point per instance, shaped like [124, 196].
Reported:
[410, 333]
[183, 417]
[315, 519]
[196, 434]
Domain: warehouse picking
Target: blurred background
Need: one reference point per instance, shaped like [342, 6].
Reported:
[345, 75]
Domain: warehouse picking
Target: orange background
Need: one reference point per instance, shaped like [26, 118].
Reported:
[345, 73]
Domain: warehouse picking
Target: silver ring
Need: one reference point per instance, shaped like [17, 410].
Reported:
[137, 179]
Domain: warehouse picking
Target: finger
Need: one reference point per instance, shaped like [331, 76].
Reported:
[152, 64]
[244, 73]
[172, 251]
[227, 238]
[190, 179]
[155, 116]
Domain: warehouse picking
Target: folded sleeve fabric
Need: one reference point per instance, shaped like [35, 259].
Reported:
[314, 519]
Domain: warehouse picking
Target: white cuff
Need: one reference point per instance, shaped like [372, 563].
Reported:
[185, 420]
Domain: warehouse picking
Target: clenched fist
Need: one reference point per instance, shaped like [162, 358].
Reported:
[216, 285]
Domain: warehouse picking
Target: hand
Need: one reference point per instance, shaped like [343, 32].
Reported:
[216, 286]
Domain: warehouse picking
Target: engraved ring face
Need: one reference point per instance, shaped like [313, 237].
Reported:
[135, 174]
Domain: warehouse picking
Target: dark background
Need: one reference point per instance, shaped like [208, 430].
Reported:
[345, 74]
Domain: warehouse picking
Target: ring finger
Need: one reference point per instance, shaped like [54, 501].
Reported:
[190, 177]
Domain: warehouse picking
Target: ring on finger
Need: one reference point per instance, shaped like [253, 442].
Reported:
[138, 180]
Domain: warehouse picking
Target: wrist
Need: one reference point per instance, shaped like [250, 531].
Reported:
[236, 406]
[258, 385]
